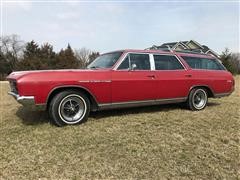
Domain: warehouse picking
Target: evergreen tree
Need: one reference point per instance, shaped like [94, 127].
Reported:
[226, 58]
[31, 60]
[5, 67]
[38, 58]
[66, 59]
[9, 61]
[31, 50]
[47, 56]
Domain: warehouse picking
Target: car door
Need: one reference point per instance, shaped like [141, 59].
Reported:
[133, 80]
[172, 79]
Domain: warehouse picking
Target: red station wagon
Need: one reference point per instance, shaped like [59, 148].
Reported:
[120, 79]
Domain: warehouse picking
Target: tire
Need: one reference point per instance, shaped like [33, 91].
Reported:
[69, 107]
[197, 99]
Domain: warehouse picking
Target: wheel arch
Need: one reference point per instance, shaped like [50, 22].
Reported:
[56, 90]
[210, 92]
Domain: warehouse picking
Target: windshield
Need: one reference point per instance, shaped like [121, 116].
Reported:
[105, 60]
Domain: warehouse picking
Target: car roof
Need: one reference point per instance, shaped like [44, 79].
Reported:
[192, 54]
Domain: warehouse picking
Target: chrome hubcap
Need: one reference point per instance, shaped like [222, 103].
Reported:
[72, 109]
[199, 99]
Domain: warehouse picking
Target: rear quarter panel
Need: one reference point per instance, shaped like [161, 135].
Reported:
[219, 81]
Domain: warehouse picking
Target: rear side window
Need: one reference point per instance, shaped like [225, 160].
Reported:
[203, 63]
[139, 61]
[166, 62]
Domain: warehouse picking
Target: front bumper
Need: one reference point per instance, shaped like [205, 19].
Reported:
[24, 100]
[28, 101]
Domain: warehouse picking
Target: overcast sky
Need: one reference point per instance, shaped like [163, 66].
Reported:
[107, 26]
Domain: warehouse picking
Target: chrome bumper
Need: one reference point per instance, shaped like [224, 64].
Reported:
[24, 100]
[28, 101]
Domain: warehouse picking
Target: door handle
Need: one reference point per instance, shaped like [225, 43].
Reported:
[188, 75]
[151, 76]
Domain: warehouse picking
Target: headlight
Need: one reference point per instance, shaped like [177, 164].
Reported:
[13, 86]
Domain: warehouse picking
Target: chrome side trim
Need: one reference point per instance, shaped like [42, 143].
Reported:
[172, 100]
[174, 55]
[219, 95]
[215, 95]
[151, 58]
[119, 62]
[140, 103]
[201, 85]
[71, 86]
[95, 81]
[152, 62]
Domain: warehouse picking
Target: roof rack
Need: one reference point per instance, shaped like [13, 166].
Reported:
[168, 49]
[181, 51]
[165, 49]
[189, 52]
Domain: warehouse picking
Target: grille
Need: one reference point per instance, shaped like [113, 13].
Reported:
[13, 86]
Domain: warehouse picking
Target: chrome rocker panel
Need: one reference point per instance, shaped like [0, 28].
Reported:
[219, 95]
[140, 103]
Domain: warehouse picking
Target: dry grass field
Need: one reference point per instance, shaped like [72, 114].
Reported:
[159, 142]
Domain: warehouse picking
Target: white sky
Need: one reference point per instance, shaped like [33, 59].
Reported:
[107, 26]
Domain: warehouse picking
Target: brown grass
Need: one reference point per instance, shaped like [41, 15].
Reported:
[150, 142]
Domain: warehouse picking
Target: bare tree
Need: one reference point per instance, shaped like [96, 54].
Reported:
[12, 49]
[13, 44]
[85, 56]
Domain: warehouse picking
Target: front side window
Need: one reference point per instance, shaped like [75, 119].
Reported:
[125, 64]
[105, 60]
[166, 62]
[136, 62]
[203, 63]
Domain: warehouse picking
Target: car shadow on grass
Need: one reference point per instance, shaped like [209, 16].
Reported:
[136, 110]
[144, 109]
[41, 117]
[32, 117]
[213, 104]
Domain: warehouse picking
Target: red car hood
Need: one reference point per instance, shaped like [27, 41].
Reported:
[51, 73]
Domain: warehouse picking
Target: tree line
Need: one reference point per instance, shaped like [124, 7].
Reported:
[16, 55]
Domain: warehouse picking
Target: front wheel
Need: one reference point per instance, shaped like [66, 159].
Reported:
[69, 107]
[197, 99]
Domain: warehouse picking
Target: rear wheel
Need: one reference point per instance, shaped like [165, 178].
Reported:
[69, 107]
[197, 99]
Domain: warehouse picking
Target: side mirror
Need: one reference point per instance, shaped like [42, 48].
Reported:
[133, 66]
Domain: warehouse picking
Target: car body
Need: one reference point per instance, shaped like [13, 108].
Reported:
[125, 78]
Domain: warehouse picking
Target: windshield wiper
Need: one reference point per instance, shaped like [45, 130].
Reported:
[94, 67]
